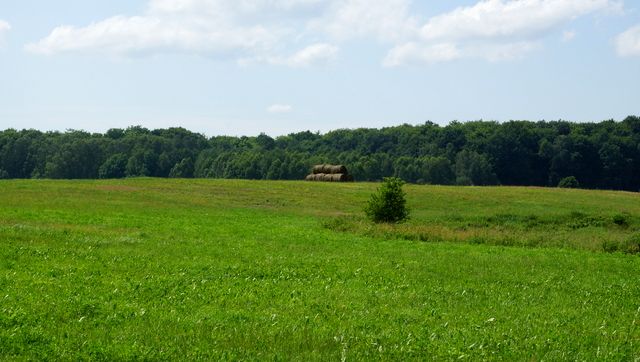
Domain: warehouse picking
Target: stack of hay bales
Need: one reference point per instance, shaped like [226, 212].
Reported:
[330, 173]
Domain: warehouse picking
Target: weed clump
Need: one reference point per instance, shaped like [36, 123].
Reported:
[629, 246]
[579, 220]
[389, 204]
[340, 224]
[610, 246]
[621, 220]
[633, 245]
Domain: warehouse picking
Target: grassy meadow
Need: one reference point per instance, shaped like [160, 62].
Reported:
[158, 269]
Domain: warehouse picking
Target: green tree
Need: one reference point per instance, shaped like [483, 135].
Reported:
[137, 164]
[388, 204]
[275, 171]
[265, 142]
[182, 169]
[569, 183]
[114, 167]
[473, 169]
[436, 171]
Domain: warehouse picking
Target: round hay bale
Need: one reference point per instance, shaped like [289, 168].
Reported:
[327, 177]
[318, 169]
[330, 169]
[338, 169]
[318, 177]
[309, 178]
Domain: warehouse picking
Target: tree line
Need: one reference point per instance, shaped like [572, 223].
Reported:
[604, 155]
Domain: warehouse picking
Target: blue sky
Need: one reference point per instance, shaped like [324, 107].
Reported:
[242, 67]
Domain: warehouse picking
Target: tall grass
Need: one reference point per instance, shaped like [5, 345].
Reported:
[204, 269]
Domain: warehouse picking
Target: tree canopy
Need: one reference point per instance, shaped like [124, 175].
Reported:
[597, 155]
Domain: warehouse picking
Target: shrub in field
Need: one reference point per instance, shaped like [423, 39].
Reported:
[388, 204]
[629, 246]
[610, 246]
[579, 220]
[569, 183]
[341, 223]
[633, 245]
[620, 220]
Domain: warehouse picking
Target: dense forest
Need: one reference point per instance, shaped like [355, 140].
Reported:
[603, 155]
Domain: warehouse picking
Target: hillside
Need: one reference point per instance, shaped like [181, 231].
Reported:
[213, 269]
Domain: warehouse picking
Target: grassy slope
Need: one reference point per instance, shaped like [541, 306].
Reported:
[578, 219]
[183, 269]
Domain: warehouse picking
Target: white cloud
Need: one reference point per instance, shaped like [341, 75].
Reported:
[280, 108]
[313, 55]
[387, 20]
[237, 27]
[188, 29]
[628, 43]
[508, 19]
[4, 28]
[421, 53]
[226, 6]
[493, 30]
[246, 29]
[302, 33]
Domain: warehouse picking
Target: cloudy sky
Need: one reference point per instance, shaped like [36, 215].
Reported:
[242, 67]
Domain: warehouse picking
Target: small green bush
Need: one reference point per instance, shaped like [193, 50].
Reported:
[341, 223]
[629, 246]
[389, 204]
[569, 183]
[587, 221]
[633, 245]
[621, 220]
[610, 246]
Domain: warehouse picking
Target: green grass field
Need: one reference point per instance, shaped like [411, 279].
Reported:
[206, 269]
